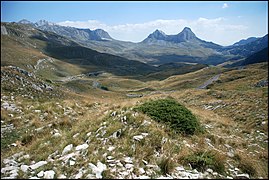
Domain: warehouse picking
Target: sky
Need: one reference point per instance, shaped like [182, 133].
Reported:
[222, 22]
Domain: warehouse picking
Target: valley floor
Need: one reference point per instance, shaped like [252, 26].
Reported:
[86, 127]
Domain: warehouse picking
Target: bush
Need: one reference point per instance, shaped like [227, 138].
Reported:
[172, 113]
[203, 160]
[104, 88]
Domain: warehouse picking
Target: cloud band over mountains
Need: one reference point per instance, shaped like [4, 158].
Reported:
[209, 29]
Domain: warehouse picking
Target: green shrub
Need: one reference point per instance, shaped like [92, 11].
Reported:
[172, 113]
[104, 88]
[203, 160]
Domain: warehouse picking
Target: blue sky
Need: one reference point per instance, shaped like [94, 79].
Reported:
[223, 22]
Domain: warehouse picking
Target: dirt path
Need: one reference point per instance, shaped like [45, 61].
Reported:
[209, 81]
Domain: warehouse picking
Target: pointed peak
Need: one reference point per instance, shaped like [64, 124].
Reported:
[157, 31]
[24, 21]
[44, 23]
[186, 34]
[187, 29]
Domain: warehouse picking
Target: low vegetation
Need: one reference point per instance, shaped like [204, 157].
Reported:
[202, 160]
[170, 112]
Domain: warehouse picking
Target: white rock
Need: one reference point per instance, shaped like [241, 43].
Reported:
[10, 162]
[79, 175]
[143, 177]
[242, 176]
[128, 160]
[82, 147]
[76, 135]
[24, 168]
[180, 168]
[124, 173]
[62, 176]
[195, 176]
[141, 170]
[66, 157]
[34, 177]
[230, 154]
[67, 149]
[120, 164]
[38, 164]
[111, 148]
[236, 169]
[215, 173]
[144, 134]
[145, 162]
[97, 170]
[40, 174]
[109, 157]
[17, 155]
[138, 137]
[209, 170]
[128, 166]
[71, 163]
[37, 111]
[114, 113]
[90, 176]
[49, 174]
[195, 171]
[57, 135]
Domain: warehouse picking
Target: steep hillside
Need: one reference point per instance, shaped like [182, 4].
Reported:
[99, 134]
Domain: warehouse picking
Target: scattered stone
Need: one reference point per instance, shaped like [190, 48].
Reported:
[24, 168]
[209, 170]
[67, 149]
[128, 166]
[37, 165]
[111, 148]
[82, 147]
[242, 176]
[128, 160]
[97, 170]
[76, 135]
[141, 170]
[143, 177]
[114, 113]
[180, 168]
[49, 174]
[62, 176]
[79, 174]
[57, 135]
[40, 174]
[71, 163]
[138, 138]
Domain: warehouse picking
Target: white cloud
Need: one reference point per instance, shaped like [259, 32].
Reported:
[216, 30]
[225, 5]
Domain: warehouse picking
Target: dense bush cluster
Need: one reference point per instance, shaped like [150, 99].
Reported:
[172, 113]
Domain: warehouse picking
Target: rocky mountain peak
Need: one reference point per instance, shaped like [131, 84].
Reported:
[157, 34]
[43, 23]
[25, 21]
[186, 34]
[101, 34]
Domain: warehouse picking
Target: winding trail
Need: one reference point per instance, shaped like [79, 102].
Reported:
[209, 81]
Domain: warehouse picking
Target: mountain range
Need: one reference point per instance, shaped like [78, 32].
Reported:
[158, 48]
